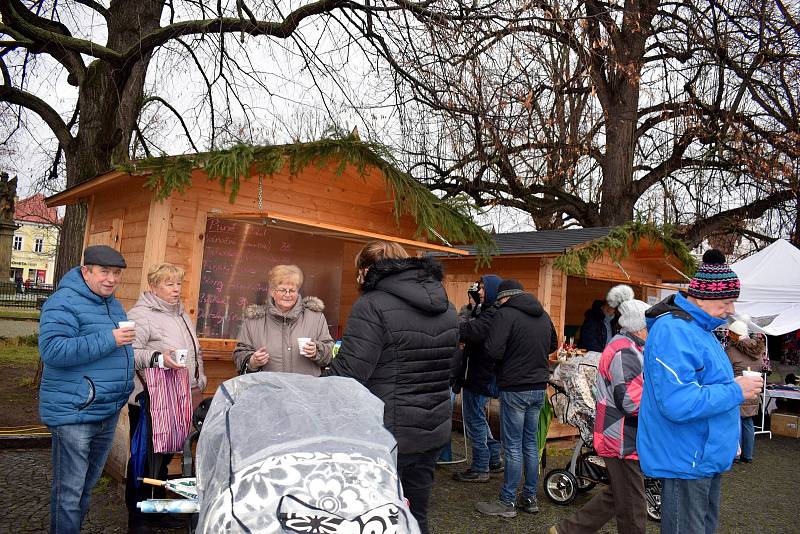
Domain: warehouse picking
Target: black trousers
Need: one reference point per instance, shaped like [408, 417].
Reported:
[416, 476]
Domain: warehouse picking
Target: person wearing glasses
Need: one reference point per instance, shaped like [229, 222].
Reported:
[288, 334]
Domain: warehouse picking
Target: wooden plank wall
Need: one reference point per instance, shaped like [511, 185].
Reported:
[316, 194]
[349, 290]
[125, 215]
[581, 292]
[459, 273]
[122, 224]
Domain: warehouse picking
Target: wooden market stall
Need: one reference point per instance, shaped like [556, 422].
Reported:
[312, 204]
[568, 269]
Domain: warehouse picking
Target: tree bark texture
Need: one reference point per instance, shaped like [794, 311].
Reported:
[109, 99]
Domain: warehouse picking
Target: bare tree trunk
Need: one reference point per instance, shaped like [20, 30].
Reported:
[795, 236]
[617, 205]
[109, 100]
[70, 240]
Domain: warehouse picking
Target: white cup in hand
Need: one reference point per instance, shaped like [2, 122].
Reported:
[125, 333]
[180, 356]
[302, 342]
[750, 385]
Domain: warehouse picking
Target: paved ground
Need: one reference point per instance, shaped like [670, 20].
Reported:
[12, 329]
[759, 497]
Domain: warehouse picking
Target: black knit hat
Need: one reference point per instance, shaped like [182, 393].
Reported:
[509, 288]
[714, 280]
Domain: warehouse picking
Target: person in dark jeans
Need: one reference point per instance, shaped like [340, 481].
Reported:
[520, 340]
[87, 377]
[479, 385]
[689, 423]
[399, 342]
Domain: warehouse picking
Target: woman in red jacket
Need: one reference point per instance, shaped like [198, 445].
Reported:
[619, 390]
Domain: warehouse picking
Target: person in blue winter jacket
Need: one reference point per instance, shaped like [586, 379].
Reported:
[689, 414]
[87, 377]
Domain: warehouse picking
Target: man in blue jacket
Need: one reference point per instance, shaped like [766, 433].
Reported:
[689, 415]
[87, 377]
[479, 385]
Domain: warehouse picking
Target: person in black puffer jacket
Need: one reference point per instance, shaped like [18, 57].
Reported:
[520, 339]
[399, 341]
[479, 386]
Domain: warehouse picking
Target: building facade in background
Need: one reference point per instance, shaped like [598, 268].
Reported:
[35, 242]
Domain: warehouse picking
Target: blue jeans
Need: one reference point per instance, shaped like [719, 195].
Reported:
[690, 505]
[79, 455]
[748, 438]
[485, 449]
[446, 455]
[520, 417]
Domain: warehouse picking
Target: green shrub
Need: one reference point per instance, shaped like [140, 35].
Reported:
[31, 340]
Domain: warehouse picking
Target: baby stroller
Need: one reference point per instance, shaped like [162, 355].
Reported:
[574, 404]
[286, 453]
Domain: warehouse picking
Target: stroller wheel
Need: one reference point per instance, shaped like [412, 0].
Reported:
[652, 494]
[585, 484]
[560, 486]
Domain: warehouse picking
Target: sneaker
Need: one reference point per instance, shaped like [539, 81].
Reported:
[471, 476]
[528, 504]
[497, 508]
[496, 468]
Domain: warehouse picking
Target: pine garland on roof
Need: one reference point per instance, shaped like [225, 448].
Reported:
[449, 217]
[618, 244]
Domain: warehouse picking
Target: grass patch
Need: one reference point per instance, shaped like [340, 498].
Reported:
[18, 356]
[6, 313]
[26, 382]
[103, 485]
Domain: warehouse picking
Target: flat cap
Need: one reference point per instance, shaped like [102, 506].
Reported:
[104, 256]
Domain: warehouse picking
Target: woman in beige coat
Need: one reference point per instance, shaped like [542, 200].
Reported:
[745, 353]
[162, 327]
[268, 338]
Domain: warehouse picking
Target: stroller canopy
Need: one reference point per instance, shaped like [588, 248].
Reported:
[283, 452]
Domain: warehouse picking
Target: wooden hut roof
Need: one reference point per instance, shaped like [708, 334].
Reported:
[546, 242]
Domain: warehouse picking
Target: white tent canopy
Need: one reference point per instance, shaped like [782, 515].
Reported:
[771, 288]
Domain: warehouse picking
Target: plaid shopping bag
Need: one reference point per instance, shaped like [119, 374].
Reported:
[170, 407]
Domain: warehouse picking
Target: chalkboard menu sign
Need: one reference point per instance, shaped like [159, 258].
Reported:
[236, 259]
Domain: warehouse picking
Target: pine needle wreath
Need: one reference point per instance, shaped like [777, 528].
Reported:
[619, 242]
[449, 217]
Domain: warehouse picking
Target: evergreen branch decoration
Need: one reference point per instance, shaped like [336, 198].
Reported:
[233, 164]
[618, 242]
[449, 217]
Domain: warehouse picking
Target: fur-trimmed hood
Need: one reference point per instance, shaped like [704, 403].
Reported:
[752, 348]
[417, 281]
[256, 311]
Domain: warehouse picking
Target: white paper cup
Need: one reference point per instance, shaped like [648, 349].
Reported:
[751, 373]
[301, 342]
[127, 324]
[181, 355]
